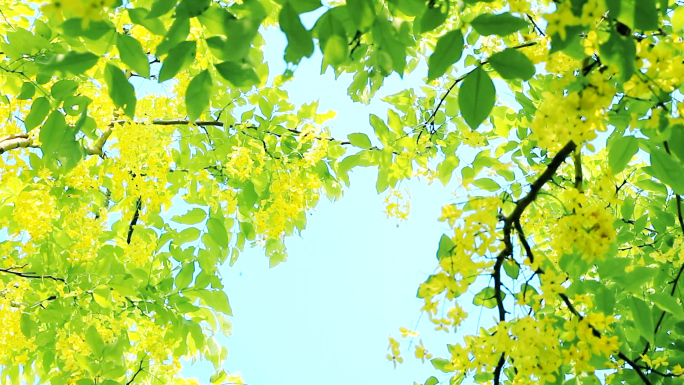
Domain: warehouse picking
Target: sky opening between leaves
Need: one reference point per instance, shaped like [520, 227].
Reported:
[351, 278]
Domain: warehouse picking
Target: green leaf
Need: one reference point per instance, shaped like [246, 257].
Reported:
[380, 128]
[667, 169]
[239, 75]
[239, 35]
[133, 55]
[29, 327]
[446, 245]
[188, 235]
[178, 58]
[487, 184]
[94, 341]
[304, 6]
[407, 7]
[433, 18]
[486, 298]
[217, 300]
[91, 29]
[639, 14]
[192, 8]
[218, 377]
[192, 217]
[215, 18]
[501, 25]
[359, 140]
[198, 95]
[432, 380]
[440, 364]
[335, 52]
[63, 89]
[88, 126]
[476, 97]
[177, 33]
[512, 269]
[27, 91]
[76, 105]
[512, 64]
[328, 26]
[71, 63]
[676, 142]
[668, 303]
[393, 40]
[678, 19]
[103, 296]
[620, 51]
[185, 275]
[142, 17]
[59, 141]
[218, 232]
[620, 152]
[448, 51]
[120, 90]
[446, 169]
[39, 110]
[161, 8]
[300, 43]
[361, 12]
[345, 165]
[643, 317]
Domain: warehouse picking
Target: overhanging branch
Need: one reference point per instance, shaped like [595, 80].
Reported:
[30, 274]
[513, 221]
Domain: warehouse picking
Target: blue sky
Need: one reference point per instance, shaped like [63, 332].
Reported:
[351, 278]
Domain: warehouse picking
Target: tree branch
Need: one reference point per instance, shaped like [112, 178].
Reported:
[216, 123]
[513, 221]
[674, 283]
[134, 220]
[598, 334]
[23, 140]
[30, 274]
[431, 118]
[572, 308]
[140, 369]
[579, 180]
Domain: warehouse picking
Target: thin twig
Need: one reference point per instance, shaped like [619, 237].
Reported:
[598, 334]
[431, 118]
[140, 369]
[536, 27]
[31, 275]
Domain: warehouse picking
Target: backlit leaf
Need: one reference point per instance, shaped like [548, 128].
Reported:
[192, 217]
[132, 54]
[178, 58]
[448, 51]
[198, 94]
[512, 64]
[476, 97]
[120, 90]
[359, 140]
[502, 24]
[620, 152]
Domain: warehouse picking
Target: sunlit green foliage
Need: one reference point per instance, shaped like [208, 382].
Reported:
[560, 120]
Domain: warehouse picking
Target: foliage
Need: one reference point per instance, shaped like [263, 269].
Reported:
[577, 243]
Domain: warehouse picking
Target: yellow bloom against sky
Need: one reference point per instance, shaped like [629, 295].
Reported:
[390, 191]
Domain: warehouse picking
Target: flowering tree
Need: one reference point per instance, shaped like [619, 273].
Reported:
[577, 243]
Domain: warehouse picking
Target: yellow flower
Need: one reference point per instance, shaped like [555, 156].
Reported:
[422, 353]
[407, 333]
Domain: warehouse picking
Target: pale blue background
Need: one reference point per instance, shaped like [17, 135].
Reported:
[324, 316]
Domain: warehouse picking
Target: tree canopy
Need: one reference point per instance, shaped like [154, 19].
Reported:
[561, 122]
